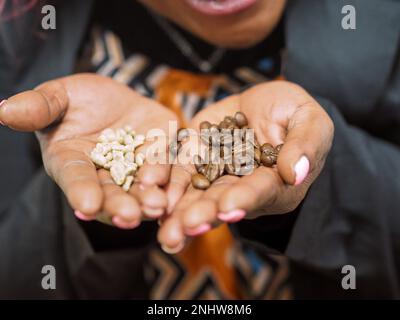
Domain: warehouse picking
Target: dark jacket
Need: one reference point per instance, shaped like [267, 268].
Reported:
[351, 216]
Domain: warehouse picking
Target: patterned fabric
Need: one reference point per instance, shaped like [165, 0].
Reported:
[214, 265]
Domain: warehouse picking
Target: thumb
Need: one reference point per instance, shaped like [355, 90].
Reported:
[35, 109]
[308, 141]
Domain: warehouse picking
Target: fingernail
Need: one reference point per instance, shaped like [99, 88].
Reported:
[82, 216]
[118, 222]
[128, 216]
[1, 103]
[174, 250]
[153, 213]
[232, 216]
[301, 169]
[198, 230]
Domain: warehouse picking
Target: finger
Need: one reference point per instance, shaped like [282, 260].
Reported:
[309, 138]
[153, 200]
[267, 108]
[76, 175]
[122, 206]
[35, 109]
[150, 178]
[154, 174]
[204, 211]
[180, 180]
[171, 234]
[155, 170]
[251, 192]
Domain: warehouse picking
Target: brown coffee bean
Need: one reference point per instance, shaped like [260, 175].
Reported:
[214, 128]
[205, 136]
[223, 125]
[174, 148]
[242, 149]
[198, 162]
[205, 171]
[202, 170]
[247, 160]
[215, 139]
[246, 170]
[241, 133]
[237, 137]
[243, 159]
[267, 148]
[233, 149]
[249, 135]
[215, 155]
[237, 162]
[200, 182]
[222, 152]
[268, 160]
[225, 151]
[229, 119]
[240, 119]
[212, 172]
[230, 169]
[232, 126]
[182, 134]
[226, 137]
[205, 125]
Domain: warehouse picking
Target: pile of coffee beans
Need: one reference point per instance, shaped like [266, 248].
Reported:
[232, 149]
[116, 152]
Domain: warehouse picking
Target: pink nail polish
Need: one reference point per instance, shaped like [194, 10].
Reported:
[82, 216]
[174, 250]
[118, 222]
[153, 213]
[198, 230]
[232, 216]
[301, 169]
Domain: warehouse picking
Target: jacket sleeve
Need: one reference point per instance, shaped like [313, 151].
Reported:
[351, 214]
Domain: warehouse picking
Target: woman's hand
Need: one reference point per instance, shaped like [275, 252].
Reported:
[68, 114]
[279, 112]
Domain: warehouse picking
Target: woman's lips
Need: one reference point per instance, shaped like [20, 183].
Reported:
[220, 7]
